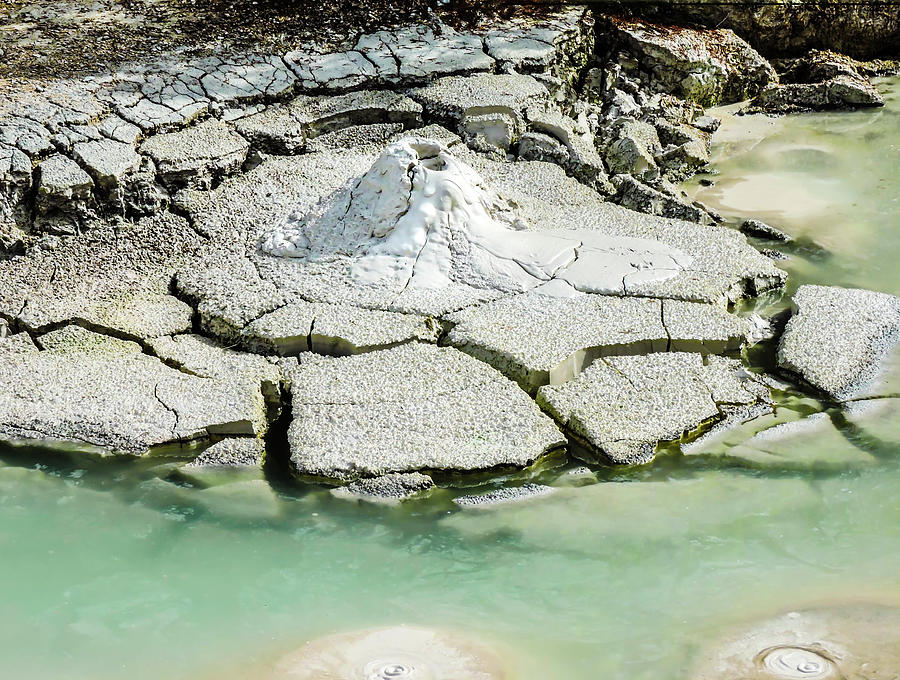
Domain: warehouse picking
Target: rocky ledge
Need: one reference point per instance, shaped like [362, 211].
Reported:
[430, 252]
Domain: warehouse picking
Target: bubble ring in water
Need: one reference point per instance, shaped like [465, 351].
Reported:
[394, 653]
[394, 670]
[797, 663]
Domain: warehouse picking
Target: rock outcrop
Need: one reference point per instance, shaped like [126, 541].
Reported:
[819, 81]
[787, 28]
[706, 66]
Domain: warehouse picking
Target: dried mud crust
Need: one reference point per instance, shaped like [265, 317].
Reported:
[52, 38]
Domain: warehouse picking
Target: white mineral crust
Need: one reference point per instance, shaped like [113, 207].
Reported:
[421, 218]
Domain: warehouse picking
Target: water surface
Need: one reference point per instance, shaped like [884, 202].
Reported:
[112, 569]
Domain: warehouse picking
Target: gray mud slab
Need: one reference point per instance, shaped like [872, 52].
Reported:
[623, 407]
[725, 266]
[203, 357]
[115, 276]
[234, 213]
[561, 44]
[449, 100]
[197, 155]
[335, 329]
[411, 408]
[117, 398]
[838, 338]
[540, 340]
[854, 640]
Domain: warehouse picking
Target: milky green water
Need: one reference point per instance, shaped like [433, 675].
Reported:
[111, 569]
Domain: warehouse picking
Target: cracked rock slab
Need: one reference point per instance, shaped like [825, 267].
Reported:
[62, 185]
[561, 43]
[412, 408]
[286, 129]
[537, 340]
[448, 100]
[335, 329]
[110, 277]
[334, 71]
[197, 355]
[417, 53]
[838, 338]
[108, 162]
[623, 407]
[198, 155]
[116, 398]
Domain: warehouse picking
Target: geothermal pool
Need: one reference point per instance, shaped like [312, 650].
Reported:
[115, 569]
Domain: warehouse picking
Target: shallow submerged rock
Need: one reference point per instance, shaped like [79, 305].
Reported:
[623, 407]
[783, 440]
[387, 489]
[508, 494]
[232, 452]
[838, 338]
[411, 408]
[115, 397]
[634, 512]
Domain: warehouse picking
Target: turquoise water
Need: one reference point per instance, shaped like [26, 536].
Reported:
[133, 570]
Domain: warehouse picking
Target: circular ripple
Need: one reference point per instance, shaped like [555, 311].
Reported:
[399, 653]
[797, 662]
[855, 640]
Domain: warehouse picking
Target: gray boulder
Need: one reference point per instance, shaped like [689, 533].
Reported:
[634, 194]
[633, 148]
[838, 338]
[842, 92]
[760, 229]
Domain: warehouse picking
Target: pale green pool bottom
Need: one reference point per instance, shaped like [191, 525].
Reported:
[112, 570]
